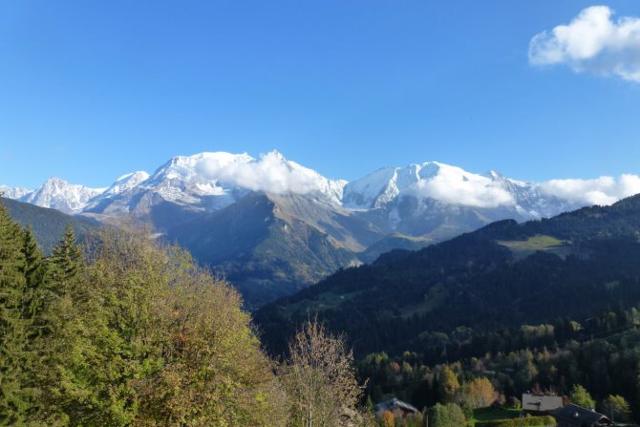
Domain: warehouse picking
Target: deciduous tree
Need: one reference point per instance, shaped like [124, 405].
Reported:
[320, 377]
[448, 384]
[616, 407]
[478, 393]
[449, 415]
[580, 396]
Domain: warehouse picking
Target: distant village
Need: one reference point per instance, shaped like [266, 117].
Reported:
[534, 406]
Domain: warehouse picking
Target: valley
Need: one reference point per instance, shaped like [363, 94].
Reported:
[332, 213]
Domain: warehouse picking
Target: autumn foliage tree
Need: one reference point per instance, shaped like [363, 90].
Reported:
[448, 384]
[388, 419]
[477, 393]
[320, 378]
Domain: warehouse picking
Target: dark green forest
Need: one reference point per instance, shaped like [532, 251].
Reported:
[506, 274]
[47, 225]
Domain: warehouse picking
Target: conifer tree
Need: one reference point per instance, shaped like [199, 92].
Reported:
[33, 271]
[60, 319]
[32, 257]
[14, 395]
[66, 260]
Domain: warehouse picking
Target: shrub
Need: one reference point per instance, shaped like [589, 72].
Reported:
[542, 421]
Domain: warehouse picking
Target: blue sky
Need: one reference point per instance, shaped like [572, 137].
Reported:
[90, 90]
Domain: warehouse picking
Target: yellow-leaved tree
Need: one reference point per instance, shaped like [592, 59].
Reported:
[157, 341]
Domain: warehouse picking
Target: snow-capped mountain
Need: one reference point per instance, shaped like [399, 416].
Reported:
[450, 185]
[189, 179]
[126, 182]
[59, 194]
[213, 180]
[122, 184]
[14, 192]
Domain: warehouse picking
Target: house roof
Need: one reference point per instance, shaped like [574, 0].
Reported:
[577, 413]
[391, 404]
[539, 402]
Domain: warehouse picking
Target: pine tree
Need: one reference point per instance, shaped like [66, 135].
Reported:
[33, 271]
[66, 261]
[32, 257]
[44, 327]
[60, 341]
[14, 395]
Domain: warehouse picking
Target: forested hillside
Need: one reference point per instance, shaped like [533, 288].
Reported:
[127, 332]
[601, 354]
[46, 224]
[547, 304]
[576, 265]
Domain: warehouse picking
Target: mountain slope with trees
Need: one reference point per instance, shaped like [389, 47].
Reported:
[262, 245]
[47, 225]
[505, 274]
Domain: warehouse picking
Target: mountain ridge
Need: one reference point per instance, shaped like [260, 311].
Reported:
[185, 179]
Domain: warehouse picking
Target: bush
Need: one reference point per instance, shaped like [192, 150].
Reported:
[449, 415]
[542, 421]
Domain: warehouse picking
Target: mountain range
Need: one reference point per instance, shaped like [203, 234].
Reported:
[272, 226]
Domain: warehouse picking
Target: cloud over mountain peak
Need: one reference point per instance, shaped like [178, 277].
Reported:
[272, 173]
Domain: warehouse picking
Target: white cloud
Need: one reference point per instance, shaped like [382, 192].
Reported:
[271, 172]
[599, 191]
[454, 185]
[592, 42]
[219, 172]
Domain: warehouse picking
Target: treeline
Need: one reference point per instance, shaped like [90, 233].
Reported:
[125, 332]
[600, 354]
